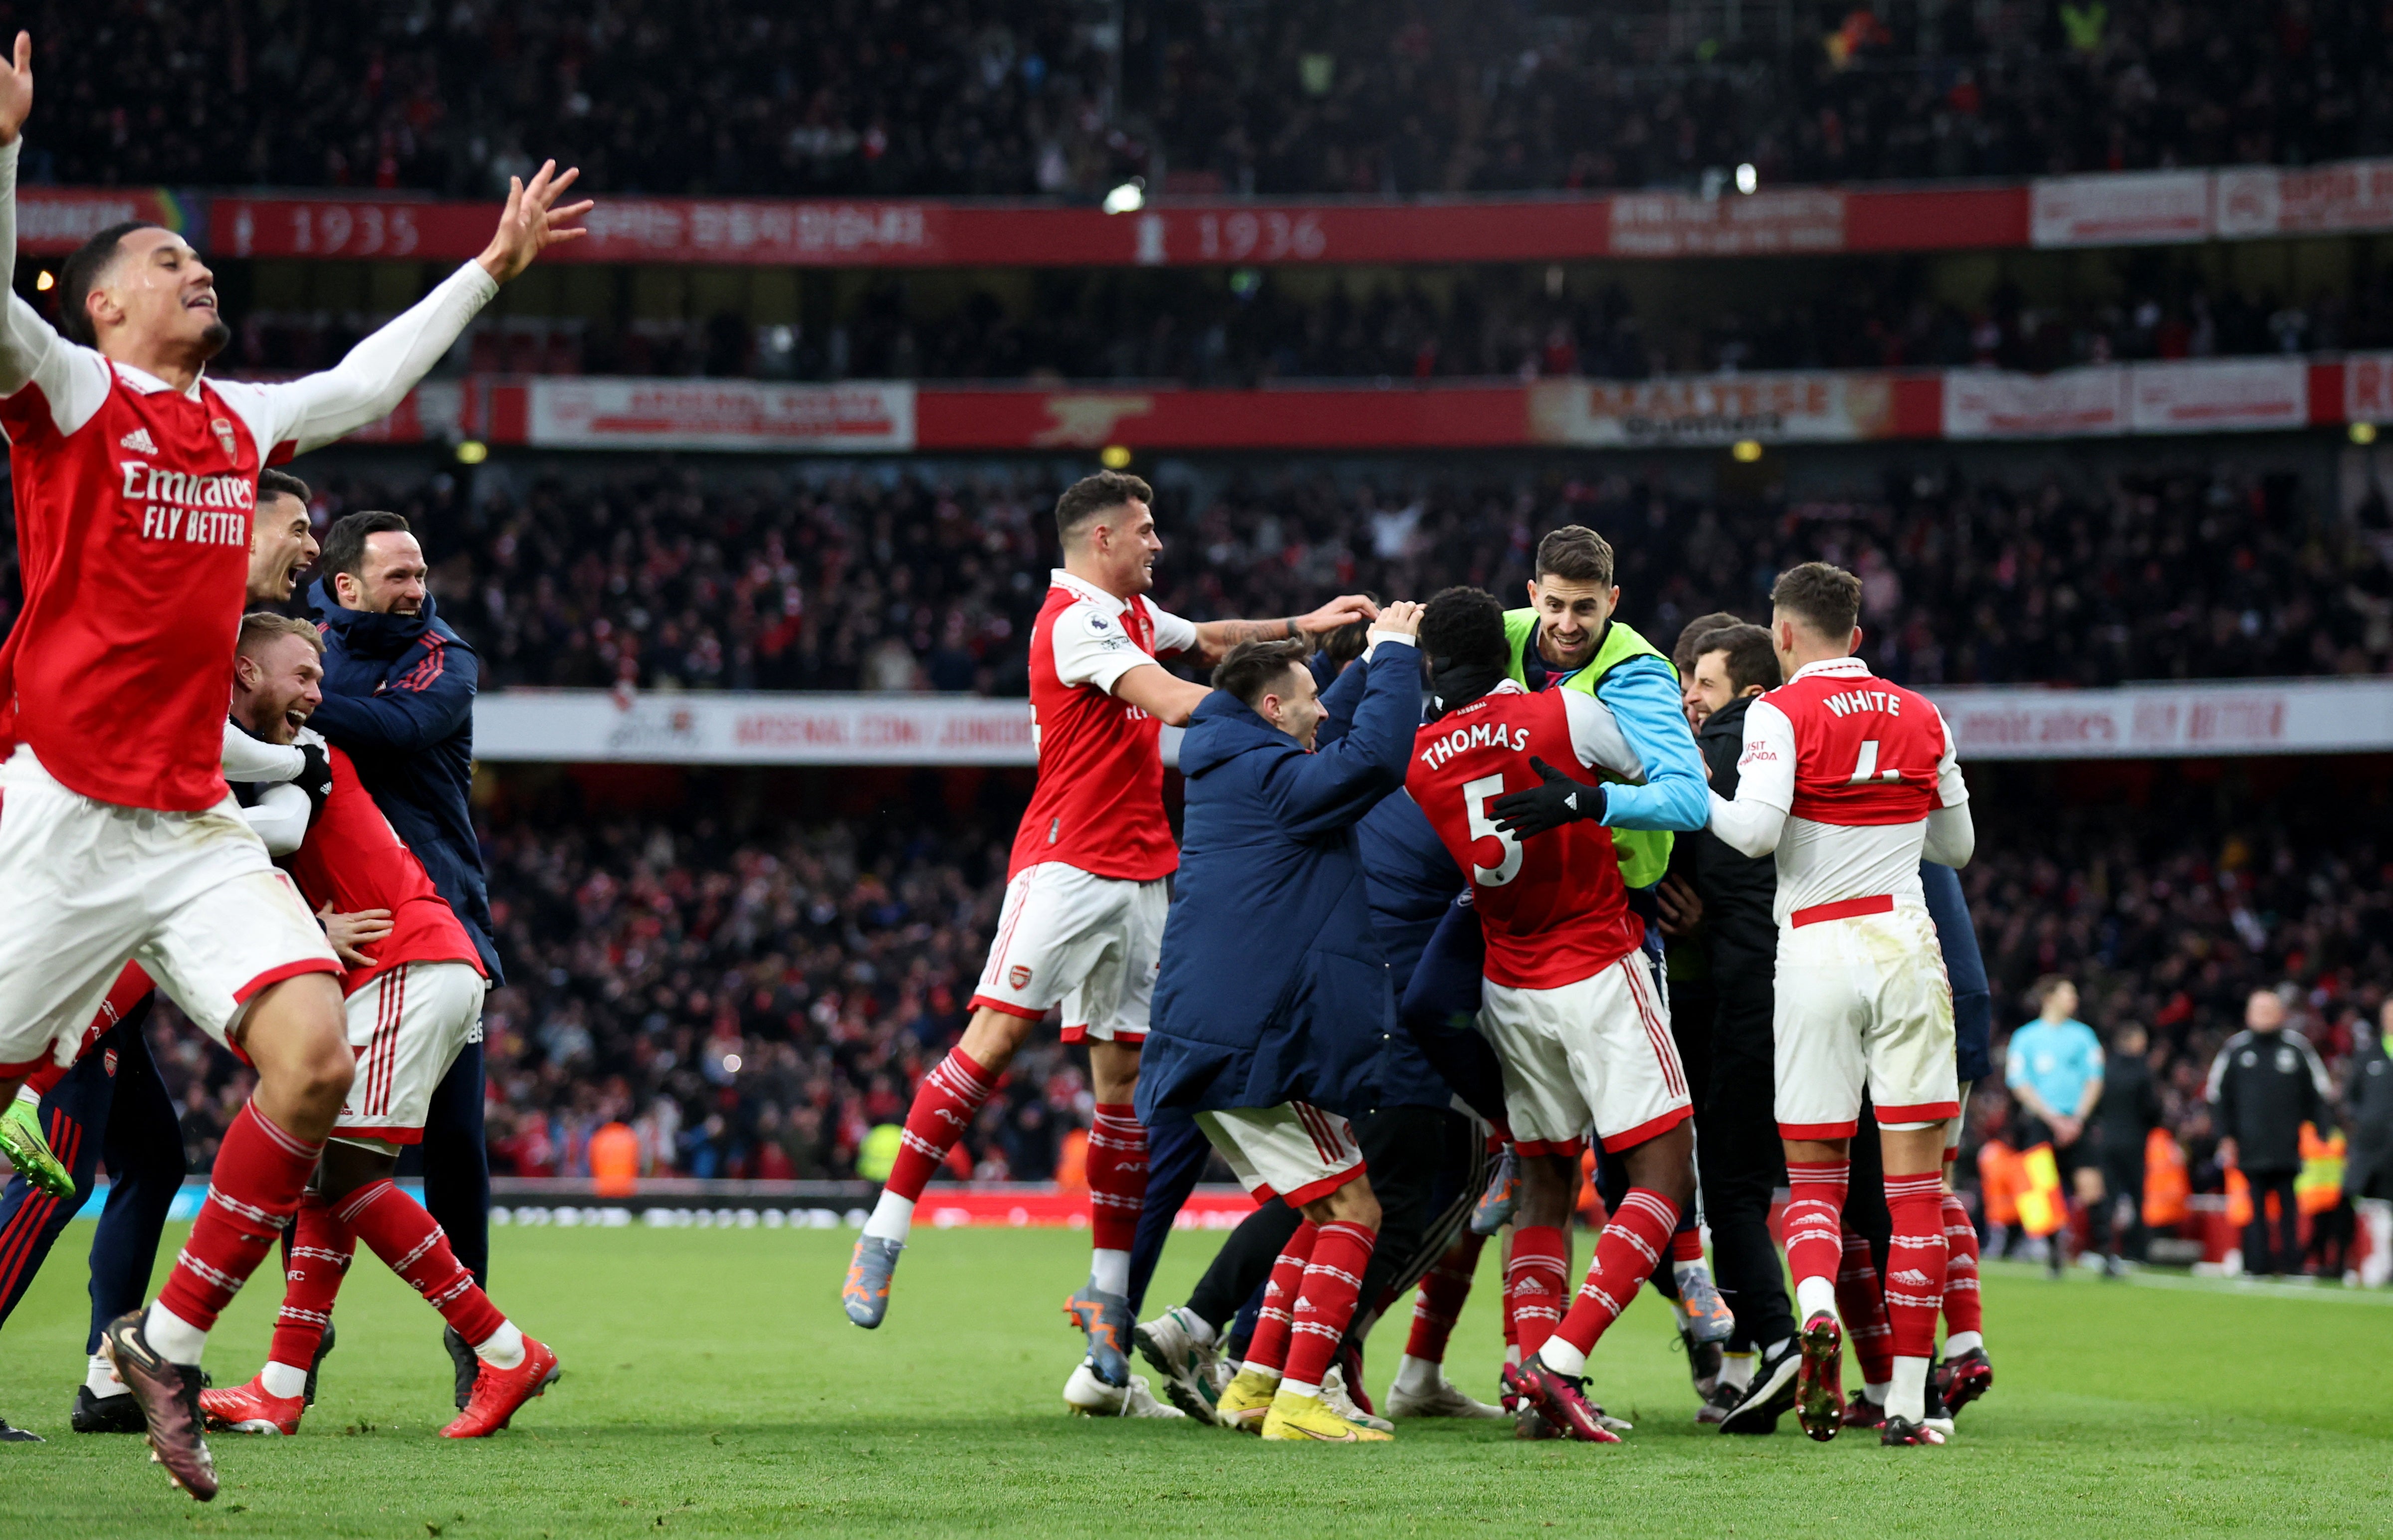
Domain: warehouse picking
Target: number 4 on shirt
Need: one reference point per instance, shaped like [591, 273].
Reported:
[1865, 767]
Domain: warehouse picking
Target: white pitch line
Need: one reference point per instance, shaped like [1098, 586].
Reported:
[2323, 1292]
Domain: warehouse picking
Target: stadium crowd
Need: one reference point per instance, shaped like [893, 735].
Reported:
[1047, 97]
[1249, 328]
[846, 577]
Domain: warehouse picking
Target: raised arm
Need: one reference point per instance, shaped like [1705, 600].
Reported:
[1332, 787]
[1215, 638]
[367, 385]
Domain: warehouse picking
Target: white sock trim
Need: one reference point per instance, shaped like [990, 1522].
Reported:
[1418, 1376]
[100, 1378]
[1561, 1357]
[175, 1339]
[892, 1217]
[1814, 1295]
[503, 1348]
[1298, 1388]
[1907, 1396]
[1109, 1271]
[1959, 1342]
[281, 1379]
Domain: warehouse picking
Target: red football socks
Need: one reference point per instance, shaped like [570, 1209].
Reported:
[1325, 1301]
[1537, 1280]
[1267, 1349]
[1116, 1176]
[320, 1248]
[1687, 1245]
[261, 1173]
[1632, 1242]
[1861, 1306]
[943, 1108]
[1443, 1291]
[1914, 1262]
[1815, 1207]
[1961, 1311]
[396, 1228]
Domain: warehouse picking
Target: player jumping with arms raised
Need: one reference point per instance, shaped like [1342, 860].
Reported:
[135, 479]
[1850, 779]
[1085, 896]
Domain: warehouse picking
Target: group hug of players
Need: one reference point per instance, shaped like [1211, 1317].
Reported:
[169, 820]
[1412, 970]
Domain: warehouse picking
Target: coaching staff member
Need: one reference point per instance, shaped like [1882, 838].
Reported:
[1740, 1154]
[399, 700]
[2265, 1084]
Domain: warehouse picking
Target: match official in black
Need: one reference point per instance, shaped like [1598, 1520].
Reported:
[2265, 1084]
[398, 699]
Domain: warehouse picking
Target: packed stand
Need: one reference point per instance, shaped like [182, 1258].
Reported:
[845, 577]
[1249, 327]
[1025, 97]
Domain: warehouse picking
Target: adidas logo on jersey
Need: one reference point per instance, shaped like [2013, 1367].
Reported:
[139, 442]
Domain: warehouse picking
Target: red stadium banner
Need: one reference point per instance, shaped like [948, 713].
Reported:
[1356, 417]
[52, 221]
[1764, 223]
[2130, 208]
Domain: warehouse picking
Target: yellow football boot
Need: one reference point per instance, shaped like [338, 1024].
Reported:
[1245, 1401]
[1309, 1418]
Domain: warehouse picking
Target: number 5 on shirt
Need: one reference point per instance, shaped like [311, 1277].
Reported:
[1476, 795]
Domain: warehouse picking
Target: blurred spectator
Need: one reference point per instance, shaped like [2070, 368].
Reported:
[876, 577]
[1043, 96]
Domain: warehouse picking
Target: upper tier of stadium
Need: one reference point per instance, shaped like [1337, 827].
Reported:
[1067, 98]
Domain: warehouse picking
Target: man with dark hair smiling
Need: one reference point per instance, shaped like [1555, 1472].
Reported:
[1273, 999]
[1085, 897]
[399, 700]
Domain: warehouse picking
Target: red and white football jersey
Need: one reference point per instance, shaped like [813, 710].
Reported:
[1099, 802]
[133, 524]
[1857, 764]
[353, 859]
[1552, 907]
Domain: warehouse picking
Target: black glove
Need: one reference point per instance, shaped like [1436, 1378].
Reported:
[315, 777]
[1560, 801]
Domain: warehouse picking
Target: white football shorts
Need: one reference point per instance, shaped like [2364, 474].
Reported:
[87, 886]
[1862, 1000]
[1294, 1152]
[1090, 942]
[1596, 1054]
[407, 1026]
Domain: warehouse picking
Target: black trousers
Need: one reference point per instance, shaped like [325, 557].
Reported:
[2123, 1183]
[1427, 1166]
[2287, 1255]
[1740, 1161]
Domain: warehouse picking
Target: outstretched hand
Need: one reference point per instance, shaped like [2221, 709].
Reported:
[533, 223]
[17, 89]
[1342, 612]
[1558, 801]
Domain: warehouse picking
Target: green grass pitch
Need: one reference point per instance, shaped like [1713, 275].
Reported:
[713, 1387]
